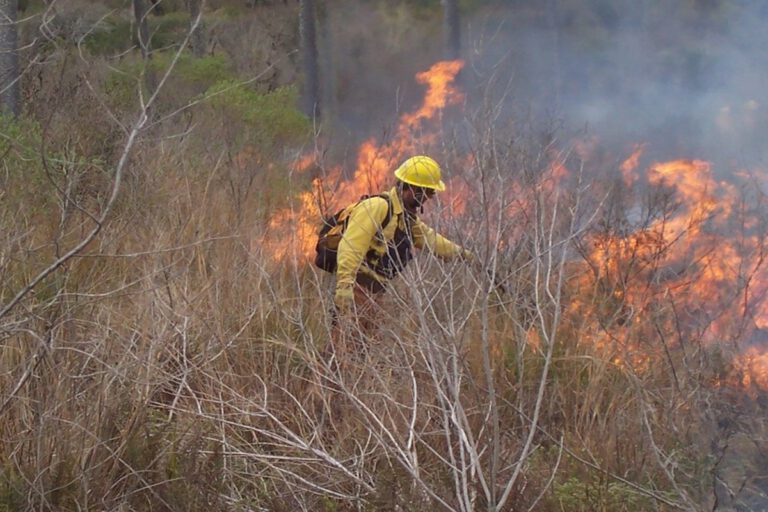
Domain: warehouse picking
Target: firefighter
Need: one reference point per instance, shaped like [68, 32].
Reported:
[381, 233]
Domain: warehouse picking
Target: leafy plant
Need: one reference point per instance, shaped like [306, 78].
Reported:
[273, 116]
[576, 495]
[110, 36]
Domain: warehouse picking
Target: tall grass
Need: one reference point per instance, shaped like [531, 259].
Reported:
[175, 364]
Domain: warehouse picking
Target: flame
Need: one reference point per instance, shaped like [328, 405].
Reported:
[692, 267]
[585, 147]
[696, 270]
[753, 367]
[302, 230]
[629, 166]
[440, 93]
[558, 169]
[456, 197]
[305, 162]
[294, 229]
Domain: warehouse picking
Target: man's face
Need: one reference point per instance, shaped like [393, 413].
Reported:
[415, 197]
[422, 194]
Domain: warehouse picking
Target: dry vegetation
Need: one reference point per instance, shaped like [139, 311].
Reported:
[154, 355]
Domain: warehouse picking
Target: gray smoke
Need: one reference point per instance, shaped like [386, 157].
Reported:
[690, 82]
[689, 79]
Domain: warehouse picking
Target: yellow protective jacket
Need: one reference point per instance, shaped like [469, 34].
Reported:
[364, 242]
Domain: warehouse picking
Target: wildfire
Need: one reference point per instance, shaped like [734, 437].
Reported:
[440, 93]
[753, 367]
[374, 167]
[629, 166]
[305, 162]
[694, 268]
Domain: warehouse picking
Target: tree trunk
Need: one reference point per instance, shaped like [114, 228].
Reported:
[157, 7]
[307, 34]
[451, 29]
[326, 50]
[142, 40]
[142, 29]
[10, 90]
[197, 28]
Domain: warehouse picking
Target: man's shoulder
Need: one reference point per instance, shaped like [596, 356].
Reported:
[380, 201]
[378, 207]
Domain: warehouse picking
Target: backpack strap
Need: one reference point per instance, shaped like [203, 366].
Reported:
[388, 217]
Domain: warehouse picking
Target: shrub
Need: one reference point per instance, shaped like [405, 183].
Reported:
[578, 495]
[273, 116]
[109, 37]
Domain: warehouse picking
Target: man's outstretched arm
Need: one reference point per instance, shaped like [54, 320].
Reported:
[426, 237]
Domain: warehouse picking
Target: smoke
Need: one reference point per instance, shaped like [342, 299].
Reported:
[686, 78]
[688, 81]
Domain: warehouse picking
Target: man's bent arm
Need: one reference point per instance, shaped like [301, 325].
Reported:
[362, 226]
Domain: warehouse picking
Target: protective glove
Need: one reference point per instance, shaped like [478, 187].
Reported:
[344, 299]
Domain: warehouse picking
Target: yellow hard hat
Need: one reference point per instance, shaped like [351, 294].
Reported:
[421, 171]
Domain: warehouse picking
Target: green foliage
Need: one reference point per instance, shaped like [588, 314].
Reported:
[169, 29]
[169, 6]
[576, 495]
[31, 178]
[18, 134]
[469, 6]
[114, 34]
[231, 11]
[30, 7]
[204, 71]
[111, 36]
[10, 489]
[122, 84]
[271, 116]
[20, 141]
[329, 505]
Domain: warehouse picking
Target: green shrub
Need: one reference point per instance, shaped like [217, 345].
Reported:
[122, 83]
[575, 495]
[168, 30]
[11, 484]
[270, 117]
[27, 183]
[204, 71]
[20, 141]
[111, 36]
[114, 34]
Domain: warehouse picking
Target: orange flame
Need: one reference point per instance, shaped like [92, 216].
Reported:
[375, 164]
[629, 166]
[684, 258]
[440, 93]
[753, 367]
[305, 162]
[701, 258]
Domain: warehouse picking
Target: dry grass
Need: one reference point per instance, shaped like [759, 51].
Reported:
[173, 364]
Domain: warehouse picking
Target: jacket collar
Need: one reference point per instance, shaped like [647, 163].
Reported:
[397, 205]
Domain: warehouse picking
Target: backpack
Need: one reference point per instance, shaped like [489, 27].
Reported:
[332, 229]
